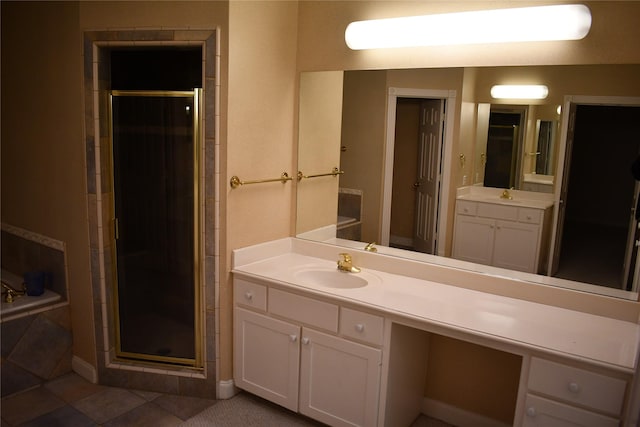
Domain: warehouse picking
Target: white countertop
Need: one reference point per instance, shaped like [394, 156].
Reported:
[524, 199]
[605, 341]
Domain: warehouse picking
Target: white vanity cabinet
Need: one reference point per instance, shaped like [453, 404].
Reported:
[301, 353]
[561, 395]
[499, 235]
[358, 355]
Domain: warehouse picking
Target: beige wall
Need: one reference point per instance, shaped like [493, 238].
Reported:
[43, 156]
[363, 129]
[260, 141]
[319, 129]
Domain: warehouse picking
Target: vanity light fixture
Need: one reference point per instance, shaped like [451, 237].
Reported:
[519, 91]
[526, 24]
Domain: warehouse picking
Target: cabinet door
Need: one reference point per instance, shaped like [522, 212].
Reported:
[516, 246]
[339, 380]
[473, 240]
[266, 357]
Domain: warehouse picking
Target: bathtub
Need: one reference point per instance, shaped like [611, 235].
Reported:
[25, 304]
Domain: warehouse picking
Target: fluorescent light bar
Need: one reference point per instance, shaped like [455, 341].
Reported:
[539, 23]
[519, 91]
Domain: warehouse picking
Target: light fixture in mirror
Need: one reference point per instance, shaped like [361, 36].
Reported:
[540, 23]
[519, 91]
[364, 110]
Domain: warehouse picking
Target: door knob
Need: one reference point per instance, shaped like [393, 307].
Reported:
[417, 184]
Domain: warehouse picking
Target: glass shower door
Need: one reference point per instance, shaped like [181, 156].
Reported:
[155, 202]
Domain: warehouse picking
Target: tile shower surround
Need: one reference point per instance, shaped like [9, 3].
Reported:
[165, 379]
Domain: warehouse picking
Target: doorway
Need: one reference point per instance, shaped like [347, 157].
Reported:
[599, 196]
[420, 188]
[416, 174]
[155, 134]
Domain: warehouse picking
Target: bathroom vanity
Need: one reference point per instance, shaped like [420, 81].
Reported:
[509, 230]
[352, 348]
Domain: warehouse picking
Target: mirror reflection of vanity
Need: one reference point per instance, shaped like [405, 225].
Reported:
[362, 121]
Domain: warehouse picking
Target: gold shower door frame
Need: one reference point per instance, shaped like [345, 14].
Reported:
[197, 362]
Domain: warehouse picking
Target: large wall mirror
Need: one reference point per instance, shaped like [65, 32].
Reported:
[346, 122]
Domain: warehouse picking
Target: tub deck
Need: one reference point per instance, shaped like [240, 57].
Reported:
[24, 303]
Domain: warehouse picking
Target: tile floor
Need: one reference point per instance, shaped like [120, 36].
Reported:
[72, 401]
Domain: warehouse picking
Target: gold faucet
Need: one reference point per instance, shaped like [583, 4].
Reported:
[506, 195]
[346, 264]
[371, 247]
[10, 292]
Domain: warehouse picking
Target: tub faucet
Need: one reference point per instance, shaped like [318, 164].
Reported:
[10, 292]
[346, 264]
[371, 247]
[506, 195]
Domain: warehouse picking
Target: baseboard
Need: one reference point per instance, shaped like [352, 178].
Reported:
[226, 389]
[456, 416]
[84, 369]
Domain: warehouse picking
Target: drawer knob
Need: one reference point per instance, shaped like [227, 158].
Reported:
[293, 338]
[531, 411]
[360, 327]
[305, 340]
[248, 295]
[574, 387]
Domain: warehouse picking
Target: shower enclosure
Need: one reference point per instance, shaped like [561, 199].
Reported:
[155, 162]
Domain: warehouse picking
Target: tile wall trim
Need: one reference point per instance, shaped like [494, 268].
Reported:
[34, 237]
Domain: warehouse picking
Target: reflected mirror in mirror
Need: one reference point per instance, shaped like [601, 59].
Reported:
[505, 139]
[546, 130]
[360, 143]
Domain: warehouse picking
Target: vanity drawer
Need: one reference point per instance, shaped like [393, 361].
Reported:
[541, 412]
[498, 211]
[577, 385]
[305, 310]
[465, 207]
[530, 216]
[361, 326]
[250, 294]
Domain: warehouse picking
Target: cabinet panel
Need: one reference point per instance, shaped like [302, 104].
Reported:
[361, 326]
[339, 380]
[498, 211]
[516, 246]
[250, 294]
[530, 216]
[540, 412]
[266, 357]
[577, 385]
[465, 207]
[302, 309]
[473, 239]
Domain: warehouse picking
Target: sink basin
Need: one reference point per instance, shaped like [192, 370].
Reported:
[501, 200]
[332, 278]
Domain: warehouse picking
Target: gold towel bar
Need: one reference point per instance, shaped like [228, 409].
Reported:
[235, 181]
[334, 172]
